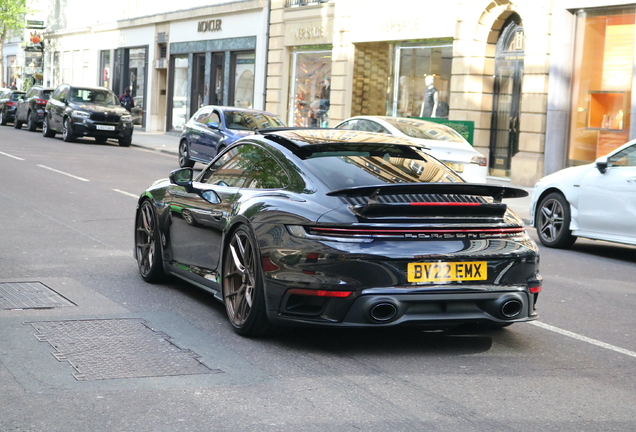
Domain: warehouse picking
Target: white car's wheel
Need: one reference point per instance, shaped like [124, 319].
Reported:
[553, 221]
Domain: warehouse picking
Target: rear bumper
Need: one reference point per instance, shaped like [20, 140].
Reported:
[384, 308]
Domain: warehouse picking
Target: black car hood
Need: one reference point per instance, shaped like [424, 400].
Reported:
[99, 108]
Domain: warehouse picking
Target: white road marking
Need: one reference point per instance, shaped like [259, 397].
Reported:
[11, 156]
[584, 338]
[62, 172]
[126, 193]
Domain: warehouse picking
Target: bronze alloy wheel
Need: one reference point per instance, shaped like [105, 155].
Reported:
[148, 250]
[243, 286]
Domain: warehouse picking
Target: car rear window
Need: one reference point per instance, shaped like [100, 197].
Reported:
[426, 130]
[15, 96]
[247, 120]
[349, 165]
[45, 94]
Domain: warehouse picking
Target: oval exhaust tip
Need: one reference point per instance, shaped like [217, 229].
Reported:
[511, 308]
[383, 312]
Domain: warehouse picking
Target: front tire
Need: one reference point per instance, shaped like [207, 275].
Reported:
[147, 244]
[17, 124]
[32, 121]
[243, 290]
[553, 221]
[184, 155]
[67, 131]
[46, 130]
[125, 142]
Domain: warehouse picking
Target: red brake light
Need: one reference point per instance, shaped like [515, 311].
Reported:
[479, 160]
[10, 103]
[535, 289]
[41, 101]
[319, 293]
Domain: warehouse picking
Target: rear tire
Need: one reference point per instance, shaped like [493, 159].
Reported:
[243, 289]
[553, 221]
[32, 121]
[46, 130]
[67, 131]
[148, 245]
[3, 118]
[184, 155]
[17, 123]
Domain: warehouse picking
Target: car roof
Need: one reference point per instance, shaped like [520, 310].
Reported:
[302, 137]
[231, 108]
[86, 87]
[391, 119]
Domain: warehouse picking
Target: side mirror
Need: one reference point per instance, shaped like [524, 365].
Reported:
[213, 125]
[601, 164]
[182, 177]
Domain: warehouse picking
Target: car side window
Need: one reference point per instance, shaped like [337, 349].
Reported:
[63, 94]
[246, 166]
[264, 171]
[370, 126]
[214, 118]
[626, 157]
[349, 125]
[226, 171]
[202, 117]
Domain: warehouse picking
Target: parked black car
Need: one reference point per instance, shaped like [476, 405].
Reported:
[338, 228]
[95, 112]
[30, 108]
[8, 102]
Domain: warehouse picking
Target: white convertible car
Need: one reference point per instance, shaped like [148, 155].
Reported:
[595, 201]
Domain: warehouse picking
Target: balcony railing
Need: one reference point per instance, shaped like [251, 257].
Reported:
[296, 3]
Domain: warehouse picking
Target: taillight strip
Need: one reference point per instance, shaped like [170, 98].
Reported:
[450, 204]
[416, 231]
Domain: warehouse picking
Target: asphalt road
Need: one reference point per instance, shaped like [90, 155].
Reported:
[66, 224]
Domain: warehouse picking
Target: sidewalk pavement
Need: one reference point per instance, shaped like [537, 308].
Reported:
[169, 143]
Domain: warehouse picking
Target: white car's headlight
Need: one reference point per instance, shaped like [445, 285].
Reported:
[81, 114]
[126, 118]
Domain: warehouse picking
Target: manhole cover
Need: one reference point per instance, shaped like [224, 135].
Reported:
[117, 348]
[30, 295]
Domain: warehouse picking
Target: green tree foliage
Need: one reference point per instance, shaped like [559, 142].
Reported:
[12, 17]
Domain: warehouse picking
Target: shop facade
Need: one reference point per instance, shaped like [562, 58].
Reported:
[173, 62]
[591, 105]
[483, 62]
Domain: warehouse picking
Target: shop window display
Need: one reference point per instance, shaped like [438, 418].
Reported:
[180, 88]
[311, 89]
[421, 81]
[601, 97]
[244, 79]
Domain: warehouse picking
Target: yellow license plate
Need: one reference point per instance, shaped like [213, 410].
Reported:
[447, 271]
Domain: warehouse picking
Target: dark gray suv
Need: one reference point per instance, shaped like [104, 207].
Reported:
[83, 111]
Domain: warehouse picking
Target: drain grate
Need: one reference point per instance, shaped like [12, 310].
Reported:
[117, 348]
[30, 295]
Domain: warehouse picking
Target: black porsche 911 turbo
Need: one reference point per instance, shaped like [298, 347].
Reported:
[339, 228]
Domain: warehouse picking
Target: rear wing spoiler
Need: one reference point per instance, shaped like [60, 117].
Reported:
[496, 192]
